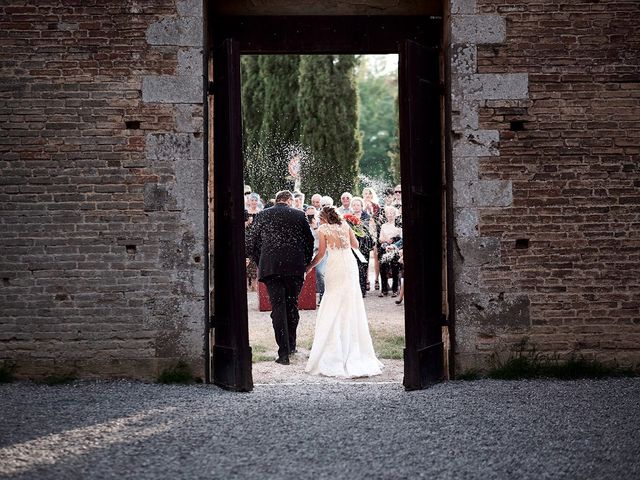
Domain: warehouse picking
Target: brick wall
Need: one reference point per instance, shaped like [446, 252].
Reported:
[101, 190]
[562, 255]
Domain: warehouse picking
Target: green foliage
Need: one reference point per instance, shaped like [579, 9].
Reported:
[7, 371]
[379, 125]
[526, 362]
[328, 107]
[388, 346]
[179, 373]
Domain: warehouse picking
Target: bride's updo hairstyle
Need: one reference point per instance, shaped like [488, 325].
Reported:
[330, 215]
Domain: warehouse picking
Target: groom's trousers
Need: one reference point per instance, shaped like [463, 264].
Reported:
[283, 295]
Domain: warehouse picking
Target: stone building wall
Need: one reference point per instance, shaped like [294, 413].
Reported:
[102, 181]
[101, 186]
[546, 100]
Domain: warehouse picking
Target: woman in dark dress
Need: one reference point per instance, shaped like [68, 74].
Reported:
[365, 242]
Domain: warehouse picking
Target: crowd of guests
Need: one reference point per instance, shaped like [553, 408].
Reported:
[379, 228]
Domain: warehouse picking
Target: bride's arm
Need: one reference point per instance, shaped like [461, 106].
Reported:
[322, 248]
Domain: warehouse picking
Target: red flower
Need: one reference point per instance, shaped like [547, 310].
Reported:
[355, 224]
[351, 219]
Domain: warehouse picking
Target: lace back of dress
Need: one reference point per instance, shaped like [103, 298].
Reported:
[337, 235]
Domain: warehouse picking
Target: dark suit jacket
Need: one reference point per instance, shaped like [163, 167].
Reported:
[280, 241]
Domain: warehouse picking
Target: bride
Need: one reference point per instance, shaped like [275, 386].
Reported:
[342, 345]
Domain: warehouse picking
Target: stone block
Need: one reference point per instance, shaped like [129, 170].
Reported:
[189, 8]
[188, 118]
[461, 7]
[494, 313]
[465, 117]
[483, 193]
[477, 143]
[479, 251]
[184, 32]
[172, 89]
[465, 222]
[478, 29]
[495, 86]
[466, 278]
[190, 62]
[464, 59]
[465, 168]
[169, 147]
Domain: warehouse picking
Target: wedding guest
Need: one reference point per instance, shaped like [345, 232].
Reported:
[401, 262]
[365, 242]
[253, 208]
[388, 254]
[372, 207]
[397, 202]
[388, 196]
[314, 223]
[320, 268]
[345, 199]
[247, 192]
[316, 201]
[326, 201]
[298, 201]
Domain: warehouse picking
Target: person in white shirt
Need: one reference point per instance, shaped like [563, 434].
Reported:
[345, 199]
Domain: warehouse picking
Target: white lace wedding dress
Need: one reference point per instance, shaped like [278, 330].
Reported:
[342, 345]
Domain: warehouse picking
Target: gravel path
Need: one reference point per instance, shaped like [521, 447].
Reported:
[484, 429]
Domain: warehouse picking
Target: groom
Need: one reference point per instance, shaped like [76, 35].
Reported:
[281, 244]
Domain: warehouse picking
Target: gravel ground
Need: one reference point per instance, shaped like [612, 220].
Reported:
[484, 429]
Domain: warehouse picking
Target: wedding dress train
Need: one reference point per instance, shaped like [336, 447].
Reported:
[342, 345]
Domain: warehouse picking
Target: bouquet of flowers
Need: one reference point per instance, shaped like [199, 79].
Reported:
[355, 224]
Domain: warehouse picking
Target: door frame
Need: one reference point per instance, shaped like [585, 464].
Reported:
[329, 35]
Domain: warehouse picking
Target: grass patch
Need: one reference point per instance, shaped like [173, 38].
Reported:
[7, 371]
[526, 362]
[388, 346]
[258, 354]
[58, 379]
[179, 373]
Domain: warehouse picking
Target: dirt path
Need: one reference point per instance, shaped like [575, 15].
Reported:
[386, 321]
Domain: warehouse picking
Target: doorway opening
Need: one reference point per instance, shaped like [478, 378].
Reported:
[326, 128]
[416, 41]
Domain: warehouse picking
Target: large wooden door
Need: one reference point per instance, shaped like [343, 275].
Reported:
[421, 166]
[231, 362]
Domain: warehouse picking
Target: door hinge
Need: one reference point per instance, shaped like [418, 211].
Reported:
[444, 321]
[212, 321]
[210, 88]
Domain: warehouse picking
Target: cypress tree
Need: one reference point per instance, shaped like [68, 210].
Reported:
[252, 112]
[328, 107]
[280, 127]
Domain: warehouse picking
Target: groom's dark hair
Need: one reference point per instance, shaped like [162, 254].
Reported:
[283, 195]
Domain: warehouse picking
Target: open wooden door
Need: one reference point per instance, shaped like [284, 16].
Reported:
[231, 362]
[422, 214]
